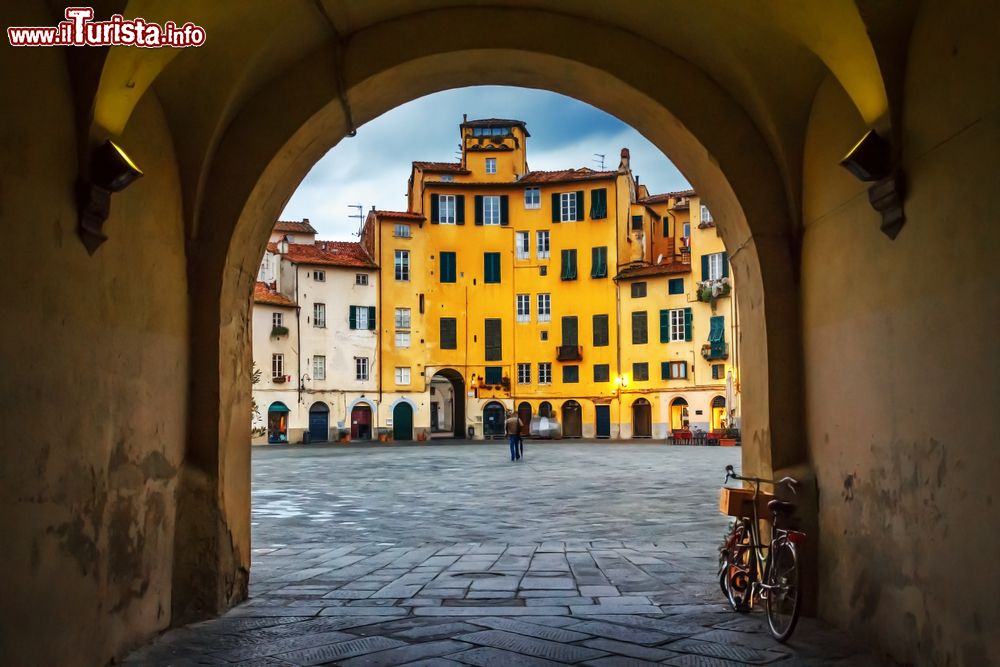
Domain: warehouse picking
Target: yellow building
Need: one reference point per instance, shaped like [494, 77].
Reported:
[545, 292]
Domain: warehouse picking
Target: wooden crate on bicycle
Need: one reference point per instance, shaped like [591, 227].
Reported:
[738, 502]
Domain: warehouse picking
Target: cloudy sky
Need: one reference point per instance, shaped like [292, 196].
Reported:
[372, 168]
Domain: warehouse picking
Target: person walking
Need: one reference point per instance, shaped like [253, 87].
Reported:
[512, 426]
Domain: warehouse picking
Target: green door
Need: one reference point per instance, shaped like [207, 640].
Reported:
[402, 422]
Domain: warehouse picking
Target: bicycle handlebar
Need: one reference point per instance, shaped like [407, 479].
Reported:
[790, 482]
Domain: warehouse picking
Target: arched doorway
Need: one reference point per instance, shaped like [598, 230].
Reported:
[493, 418]
[361, 422]
[402, 421]
[277, 422]
[319, 422]
[642, 419]
[447, 389]
[718, 415]
[524, 414]
[679, 415]
[545, 410]
[572, 418]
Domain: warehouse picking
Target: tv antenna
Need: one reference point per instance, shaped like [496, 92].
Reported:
[359, 216]
[599, 158]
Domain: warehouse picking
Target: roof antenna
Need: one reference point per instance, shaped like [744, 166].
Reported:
[599, 157]
[359, 215]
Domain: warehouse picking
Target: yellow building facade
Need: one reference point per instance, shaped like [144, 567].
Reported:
[569, 296]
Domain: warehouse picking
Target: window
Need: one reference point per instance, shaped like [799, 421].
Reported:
[706, 215]
[524, 373]
[675, 286]
[494, 375]
[545, 335]
[493, 339]
[319, 276]
[523, 307]
[568, 265]
[599, 262]
[402, 375]
[445, 209]
[686, 238]
[448, 267]
[542, 244]
[640, 328]
[447, 178]
[600, 330]
[532, 198]
[545, 373]
[360, 318]
[401, 231]
[402, 339]
[637, 223]
[402, 319]
[402, 263]
[675, 325]
[491, 267]
[491, 165]
[319, 315]
[420, 302]
[543, 270]
[319, 367]
[544, 307]
[718, 371]
[638, 290]
[569, 206]
[598, 204]
[362, 278]
[360, 368]
[674, 370]
[266, 272]
[491, 209]
[602, 373]
[570, 331]
[523, 245]
[640, 371]
[571, 374]
[276, 319]
[449, 337]
[277, 366]
[714, 266]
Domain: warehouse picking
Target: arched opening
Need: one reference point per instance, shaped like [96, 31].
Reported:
[524, 414]
[642, 419]
[679, 415]
[493, 420]
[361, 422]
[447, 401]
[402, 421]
[277, 423]
[545, 410]
[572, 420]
[718, 416]
[319, 422]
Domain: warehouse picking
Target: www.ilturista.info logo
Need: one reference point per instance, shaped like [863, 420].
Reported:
[79, 29]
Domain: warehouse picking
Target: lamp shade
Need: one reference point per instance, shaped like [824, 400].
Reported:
[111, 168]
[869, 159]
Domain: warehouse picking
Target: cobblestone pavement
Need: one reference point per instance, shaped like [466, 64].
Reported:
[597, 554]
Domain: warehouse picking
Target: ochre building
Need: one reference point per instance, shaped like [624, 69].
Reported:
[574, 297]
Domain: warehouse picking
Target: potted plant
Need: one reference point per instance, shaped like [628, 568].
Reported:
[278, 331]
[730, 437]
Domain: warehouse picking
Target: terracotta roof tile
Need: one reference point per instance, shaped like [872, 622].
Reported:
[263, 293]
[294, 226]
[582, 174]
[448, 167]
[327, 253]
[663, 197]
[407, 215]
[666, 268]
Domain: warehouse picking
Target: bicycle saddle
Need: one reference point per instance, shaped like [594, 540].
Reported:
[779, 507]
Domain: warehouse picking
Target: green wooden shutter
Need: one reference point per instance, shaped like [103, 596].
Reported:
[664, 326]
[459, 209]
[555, 207]
[435, 208]
[704, 267]
[504, 210]
[479, 209]
[572, 263]
[687, 325]
[371, 317]
[664, 370]
[716, 331]
[598, 204]
[353, 317]
[564, 268]
[579, 205]
[570, 331]
[725, 265]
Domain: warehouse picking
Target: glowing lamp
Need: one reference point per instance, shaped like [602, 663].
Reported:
[870, 159]
[111, 170]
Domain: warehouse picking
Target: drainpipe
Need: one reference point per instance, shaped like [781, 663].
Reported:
[298, 337]
[377, 361]
[618, 314]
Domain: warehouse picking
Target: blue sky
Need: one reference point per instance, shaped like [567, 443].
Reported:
[372, 168]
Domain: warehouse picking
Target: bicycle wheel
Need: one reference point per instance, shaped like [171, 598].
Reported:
[784, 595]
[740, 567]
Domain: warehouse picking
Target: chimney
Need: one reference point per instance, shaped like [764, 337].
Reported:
[624, 166]
[465, 118]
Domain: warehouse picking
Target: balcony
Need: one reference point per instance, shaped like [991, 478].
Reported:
[715, 351]
[569, 353]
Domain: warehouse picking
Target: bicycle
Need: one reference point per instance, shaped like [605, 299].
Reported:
[743, 556]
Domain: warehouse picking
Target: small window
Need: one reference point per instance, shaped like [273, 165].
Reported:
[494, 375]
[567, 207]
[602, 373]
[319, 315]
[716, 265]
[319, 276]
[401, 231]
[277, 319]
[544, 307]
[675, 286]
[532, 198]
[545, 335]
[571, 374]
[679, 324]
[545, 373]
[706, 215]
[402, 339]
[402, 319]
[640, 371]
[362, 278]
[446, 209]
[491, 165]
[640, 328]
[638, 290]
[637, 223]
[491, 209]
[542, 244]
[319, 367]
[674, 370]
[449, 333]
[277, 366]
[402, 265]
[523, 308]
[524, 373]
[360, 368]
[402, 375]
[361, 317]
[543, 270]
[718, 371]
[522, 242]
[447, 178]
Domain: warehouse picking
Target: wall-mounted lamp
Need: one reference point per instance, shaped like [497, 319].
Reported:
[111, 170]
[302, 381]
[871, 160]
